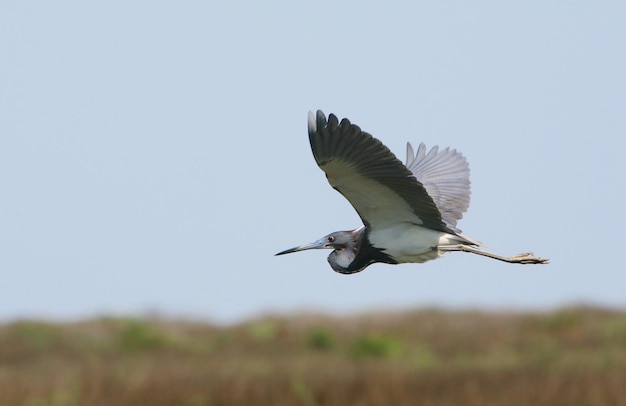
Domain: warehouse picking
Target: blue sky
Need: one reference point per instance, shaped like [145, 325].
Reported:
[154, 155]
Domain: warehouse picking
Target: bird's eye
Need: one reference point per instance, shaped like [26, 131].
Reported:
[331, 238]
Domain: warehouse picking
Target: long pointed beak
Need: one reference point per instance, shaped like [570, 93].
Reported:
[319, 244]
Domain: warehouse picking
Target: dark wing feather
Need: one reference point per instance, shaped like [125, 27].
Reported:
[381, 189]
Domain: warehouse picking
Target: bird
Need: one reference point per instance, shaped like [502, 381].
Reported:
[409, 211]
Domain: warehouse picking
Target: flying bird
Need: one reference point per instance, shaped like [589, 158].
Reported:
[409, 212]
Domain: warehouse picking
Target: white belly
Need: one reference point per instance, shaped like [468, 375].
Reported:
[410, 243]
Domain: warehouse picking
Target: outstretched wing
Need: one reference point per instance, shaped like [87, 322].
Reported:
[445, 175]
[381, 189]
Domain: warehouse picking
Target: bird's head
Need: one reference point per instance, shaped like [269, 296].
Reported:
[345, 246]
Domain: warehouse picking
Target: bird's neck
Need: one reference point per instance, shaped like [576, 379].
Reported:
[367, 254]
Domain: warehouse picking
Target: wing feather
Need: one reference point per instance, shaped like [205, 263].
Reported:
[445, 175]
[381, 189]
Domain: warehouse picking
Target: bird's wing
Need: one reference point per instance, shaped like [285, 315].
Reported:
[445, 175]
[381, 189]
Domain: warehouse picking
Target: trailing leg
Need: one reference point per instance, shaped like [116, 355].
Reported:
[526, 258]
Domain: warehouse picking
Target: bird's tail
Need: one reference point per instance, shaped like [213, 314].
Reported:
[463, 239]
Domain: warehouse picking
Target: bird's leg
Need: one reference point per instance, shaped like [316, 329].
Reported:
[526, 258]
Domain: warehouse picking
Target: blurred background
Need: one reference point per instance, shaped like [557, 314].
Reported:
[154, 155]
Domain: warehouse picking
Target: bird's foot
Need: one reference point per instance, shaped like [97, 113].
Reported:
[528, 258]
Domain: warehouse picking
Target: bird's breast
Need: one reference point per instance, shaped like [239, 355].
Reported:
[409, 243]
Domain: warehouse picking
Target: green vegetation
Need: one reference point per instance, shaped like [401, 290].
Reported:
[138, 335]
[430, 357]
[321, 339]
[376, 346]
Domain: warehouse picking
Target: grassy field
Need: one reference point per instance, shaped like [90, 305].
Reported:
[573, 356]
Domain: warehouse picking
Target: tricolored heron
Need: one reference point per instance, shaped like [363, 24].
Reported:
[409, 211]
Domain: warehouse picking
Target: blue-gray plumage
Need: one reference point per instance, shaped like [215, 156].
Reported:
[409, 211]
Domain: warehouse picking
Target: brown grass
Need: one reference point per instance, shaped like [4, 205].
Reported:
[574, 356]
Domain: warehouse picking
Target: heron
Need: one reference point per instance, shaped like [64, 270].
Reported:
[409, 211]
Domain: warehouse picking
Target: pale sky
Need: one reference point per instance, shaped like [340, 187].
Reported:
[154, 155]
